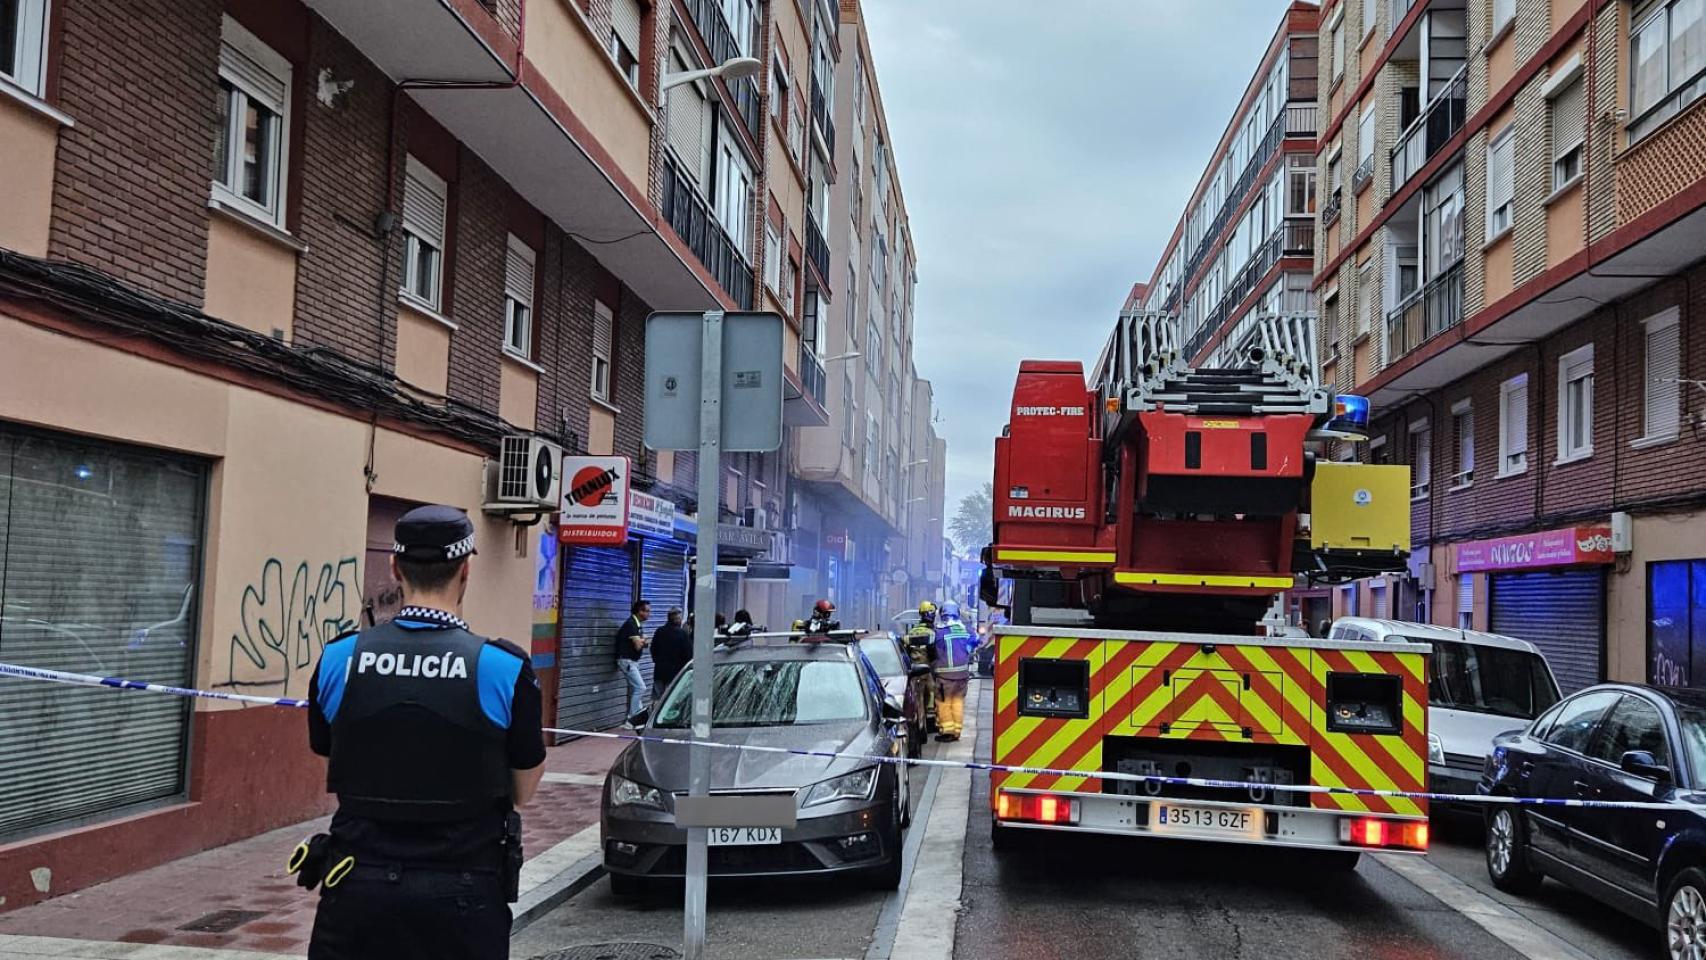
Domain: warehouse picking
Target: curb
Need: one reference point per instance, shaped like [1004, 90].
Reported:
[556, 891]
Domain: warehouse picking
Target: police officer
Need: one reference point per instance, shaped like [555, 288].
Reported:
[433, 735]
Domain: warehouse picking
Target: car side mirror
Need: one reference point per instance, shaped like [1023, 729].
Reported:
[892, 711]
[1642, 763]
[918, 670]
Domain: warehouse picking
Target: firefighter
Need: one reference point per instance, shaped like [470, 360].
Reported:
[822, 619]
[920, 645]
[956, 651]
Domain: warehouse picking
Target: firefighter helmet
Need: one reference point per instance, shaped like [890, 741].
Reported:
[823, 607]
[927, 611]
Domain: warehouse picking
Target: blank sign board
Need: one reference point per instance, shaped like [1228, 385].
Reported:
[751, 374]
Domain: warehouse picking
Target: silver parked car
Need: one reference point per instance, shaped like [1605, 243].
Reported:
[811, 696]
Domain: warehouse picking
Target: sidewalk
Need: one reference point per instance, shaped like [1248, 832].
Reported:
[239, 898]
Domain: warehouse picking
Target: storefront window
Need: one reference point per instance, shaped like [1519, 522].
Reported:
[1676, 623]
[100, 556]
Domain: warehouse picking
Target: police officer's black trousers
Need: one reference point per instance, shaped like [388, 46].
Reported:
[382, 912]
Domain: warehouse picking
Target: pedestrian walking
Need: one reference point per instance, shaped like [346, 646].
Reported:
[630, 647]
[956, 649]
[672, 648]
[433, 736]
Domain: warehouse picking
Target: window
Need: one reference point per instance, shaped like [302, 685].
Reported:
[873, 347]
[1370, 13]
[23, 43]
[625, 32]
[879, 258]
[873, 443]
[1578, 718]
[1365, 146]
[790, 279]
[779, 92]
[1568, 111]
[254, 107]
[1330, 314]
[603, 348]
[1634, 724]
[859, 96]
[1300, 186]
[1676, 623]
[1466, 601]
[127, 600]
[1504, 11]
[796, 131]
[742, 19]
[690, 121]
[1668, 54]
[772, 258]
[1442, 222]
[1501, 181]
[1575, 404]
[852, 306]
[1513, 425]
[1421, 459]
[1367, 297]
[1338, 36]
[1463, 430]
[734, 195]
[1352, 598]
[1662, 414]
[518, 299]
[423, 234]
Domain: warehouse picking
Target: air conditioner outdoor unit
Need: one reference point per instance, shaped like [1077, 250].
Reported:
[526, 478]
[758, 518]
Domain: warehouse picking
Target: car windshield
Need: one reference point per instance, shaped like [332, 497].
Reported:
[884, 656]
[1692, 720]
[770, 693]
[1496, 680]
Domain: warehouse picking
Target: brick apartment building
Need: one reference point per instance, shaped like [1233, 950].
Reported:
[1510, 233]
[1245, 243]
[262, 293]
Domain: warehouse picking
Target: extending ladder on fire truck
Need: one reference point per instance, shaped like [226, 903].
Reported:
[1144, 367]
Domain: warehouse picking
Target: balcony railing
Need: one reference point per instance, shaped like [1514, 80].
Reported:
[1249, 277]
[689, 214]
[1364, 173]
[720, 40]
[812, 376]
[1276, 134]
[1300, 119]
[817, 249]
[1299, 237]
[1330, 210]
[822, 117]
[1430, 131]
[1430, 311]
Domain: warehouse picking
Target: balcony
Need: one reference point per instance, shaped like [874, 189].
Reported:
[1234, 199]
[1300, 119]
[1299, 237]
[1277, 244]
[812, 377]
[822, 117]
[1330, 210]
[817, 248]
[1363, 174]
[1430, 131]
[689, 214]
[720, 40]
[1426, 313]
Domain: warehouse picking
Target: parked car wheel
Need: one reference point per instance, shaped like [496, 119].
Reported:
[1507, 853]
[887, 876]
[915, 737]
[627, 886]
[903, 773]
[1685, 916]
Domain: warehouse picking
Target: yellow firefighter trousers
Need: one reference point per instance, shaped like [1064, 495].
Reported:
[951, 704]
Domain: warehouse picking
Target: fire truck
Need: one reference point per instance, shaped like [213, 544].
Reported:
[1147, 518]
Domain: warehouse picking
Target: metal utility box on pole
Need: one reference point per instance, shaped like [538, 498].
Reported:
[713, 383]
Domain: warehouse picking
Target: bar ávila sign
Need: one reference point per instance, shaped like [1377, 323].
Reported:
[595, 501]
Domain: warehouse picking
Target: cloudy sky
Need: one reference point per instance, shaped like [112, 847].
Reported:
[1045, 152]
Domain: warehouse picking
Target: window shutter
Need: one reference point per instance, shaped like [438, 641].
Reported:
[625, 19]
[1517, 414]
[1664, 365]
[687, 121]
[423, 202]
[1569, 113]
[603, 330]
[518, 271]
[1500, 170]
[251, 73]
[1466, 593]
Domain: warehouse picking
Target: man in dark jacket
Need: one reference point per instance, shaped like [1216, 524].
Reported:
[672, 649]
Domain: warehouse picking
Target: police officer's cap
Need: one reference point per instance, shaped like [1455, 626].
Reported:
[434, 534]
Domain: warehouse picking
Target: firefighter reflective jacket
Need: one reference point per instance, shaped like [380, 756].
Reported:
[954, 649]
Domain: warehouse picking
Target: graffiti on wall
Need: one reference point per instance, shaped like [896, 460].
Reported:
[287, 617]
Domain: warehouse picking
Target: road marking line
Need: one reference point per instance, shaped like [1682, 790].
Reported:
[1516, 931]
[576, 779]
[14, 947]
[926, 929]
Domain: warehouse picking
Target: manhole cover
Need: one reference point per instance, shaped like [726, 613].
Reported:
[222, 921]
[614, 951]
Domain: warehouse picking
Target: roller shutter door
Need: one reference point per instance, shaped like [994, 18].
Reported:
[598, 589]
[100, 550]
[663, 580]
[1561, 613]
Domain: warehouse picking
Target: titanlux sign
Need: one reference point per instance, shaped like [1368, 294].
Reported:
[1528, 551]
[595, 501]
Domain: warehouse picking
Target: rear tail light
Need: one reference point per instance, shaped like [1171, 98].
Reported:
[1035, 808]
[1389, 834]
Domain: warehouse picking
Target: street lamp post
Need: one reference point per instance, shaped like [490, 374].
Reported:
[733, 68]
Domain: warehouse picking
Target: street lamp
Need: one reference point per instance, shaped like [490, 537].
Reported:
[917, 463]
[850, 355]
[734, 68]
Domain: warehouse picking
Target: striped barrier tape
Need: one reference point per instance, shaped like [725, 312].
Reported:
[118, 683]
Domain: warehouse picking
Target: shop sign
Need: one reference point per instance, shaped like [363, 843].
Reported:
[1570, 546]
[734, 537]
[650, 516]
[595, 501]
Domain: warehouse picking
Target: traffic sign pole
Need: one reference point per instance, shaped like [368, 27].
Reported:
[705, 616]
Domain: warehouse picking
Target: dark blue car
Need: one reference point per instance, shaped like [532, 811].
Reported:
[1611, 742]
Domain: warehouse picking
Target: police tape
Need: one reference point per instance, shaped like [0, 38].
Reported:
[1155, 781]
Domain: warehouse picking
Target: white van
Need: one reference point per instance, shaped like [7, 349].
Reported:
[1479, 686]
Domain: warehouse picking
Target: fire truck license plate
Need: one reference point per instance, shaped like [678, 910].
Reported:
[742, 836]
[1170, 817]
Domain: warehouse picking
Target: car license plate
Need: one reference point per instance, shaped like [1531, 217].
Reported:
[742, 836]
[1171, 818]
